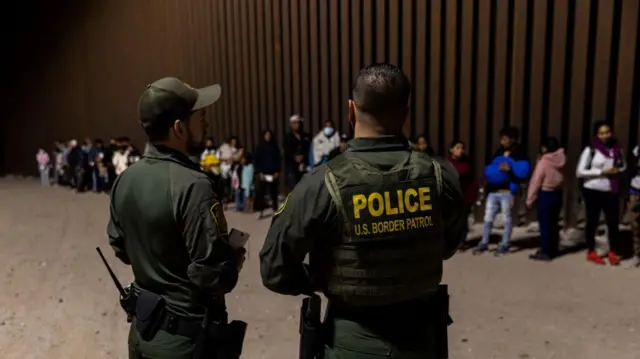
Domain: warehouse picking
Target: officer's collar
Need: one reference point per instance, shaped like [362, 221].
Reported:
[381, 143]
[161, 152]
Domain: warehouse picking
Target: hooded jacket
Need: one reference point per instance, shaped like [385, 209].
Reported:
[499, 180]
[468, 181]
[548, 175]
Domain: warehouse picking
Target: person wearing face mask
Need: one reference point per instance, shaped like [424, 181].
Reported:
[376, 223]
[167, 223]
[324, 142]
[600, 167]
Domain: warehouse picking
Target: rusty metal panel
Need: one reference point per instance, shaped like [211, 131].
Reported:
[421, 98]
[554, 117]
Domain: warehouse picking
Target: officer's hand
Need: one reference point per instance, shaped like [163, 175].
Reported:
[241, 254]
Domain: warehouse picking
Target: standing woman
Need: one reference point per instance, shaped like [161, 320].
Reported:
[545, 187]
[600, 167]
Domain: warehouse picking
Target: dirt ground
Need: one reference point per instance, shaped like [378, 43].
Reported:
[57, 300]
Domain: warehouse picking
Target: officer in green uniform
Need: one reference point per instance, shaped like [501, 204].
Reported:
[377, 222]
[167, 223]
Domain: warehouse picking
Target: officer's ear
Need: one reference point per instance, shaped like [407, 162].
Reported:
[179, 128]
[352, 113]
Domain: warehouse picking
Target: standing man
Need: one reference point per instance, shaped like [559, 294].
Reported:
[296, 149]
[377, 223]
[167, 222]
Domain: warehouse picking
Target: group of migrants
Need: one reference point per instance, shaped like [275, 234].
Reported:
[90, 166]
[253, 180]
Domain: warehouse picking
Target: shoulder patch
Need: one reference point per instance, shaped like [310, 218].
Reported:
[282, 206]
[217, 213]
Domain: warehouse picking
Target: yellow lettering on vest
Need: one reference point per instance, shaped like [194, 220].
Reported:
[410, 204]
[359, 203]
[388, 209]
[419, 222]
[424, 198]
[376, 210]
[382, 227]
[400, 202]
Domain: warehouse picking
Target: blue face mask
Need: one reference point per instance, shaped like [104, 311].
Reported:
[328, 131]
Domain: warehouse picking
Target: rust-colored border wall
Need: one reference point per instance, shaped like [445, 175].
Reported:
[550, 67]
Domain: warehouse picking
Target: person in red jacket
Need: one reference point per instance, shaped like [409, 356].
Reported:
[464, 167]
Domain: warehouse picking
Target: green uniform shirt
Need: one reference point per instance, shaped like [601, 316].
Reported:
[308, 219]
[167, 222]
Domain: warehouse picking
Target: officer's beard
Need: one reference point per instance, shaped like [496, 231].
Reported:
[194, 148]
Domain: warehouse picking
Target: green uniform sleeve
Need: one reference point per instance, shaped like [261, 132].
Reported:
[213, 265]
[116, 238]
[454, 210]
[295, 230]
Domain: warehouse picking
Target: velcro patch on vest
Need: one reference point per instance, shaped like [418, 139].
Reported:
[383, 213]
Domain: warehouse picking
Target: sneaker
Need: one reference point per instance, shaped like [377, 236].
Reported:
[614, 260]
[481, 248]
[592, 256]
[540, 256]
[501, 251]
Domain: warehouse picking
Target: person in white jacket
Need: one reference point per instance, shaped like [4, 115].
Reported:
[634, 207]
[600, 166]
[324, 142]
[120, 160]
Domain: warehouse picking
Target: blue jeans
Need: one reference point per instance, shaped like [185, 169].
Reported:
[240, 199]
[549, 207]
[495, 201]
[98, 181]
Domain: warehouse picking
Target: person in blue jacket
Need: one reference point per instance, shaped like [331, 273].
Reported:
[508, 169]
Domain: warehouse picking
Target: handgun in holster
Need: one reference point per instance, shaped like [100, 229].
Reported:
[219, 338]
[444, 320]
[310, 326]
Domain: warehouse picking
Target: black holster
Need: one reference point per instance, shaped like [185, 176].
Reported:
[149, 314]
[219, 339]
[310, 328]
[442, 322]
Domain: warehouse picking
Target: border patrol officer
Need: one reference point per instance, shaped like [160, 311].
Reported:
[167, 223]
[377, 222]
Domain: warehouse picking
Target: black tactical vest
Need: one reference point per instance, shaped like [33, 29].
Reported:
[392, 245]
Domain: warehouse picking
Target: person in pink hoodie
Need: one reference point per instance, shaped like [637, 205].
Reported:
[44, 167]
[545, 189]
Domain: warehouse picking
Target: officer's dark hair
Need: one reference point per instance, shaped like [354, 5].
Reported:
[512, 132]
[600, 123]
[329, 122]
[159, 131]
[382, 91]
